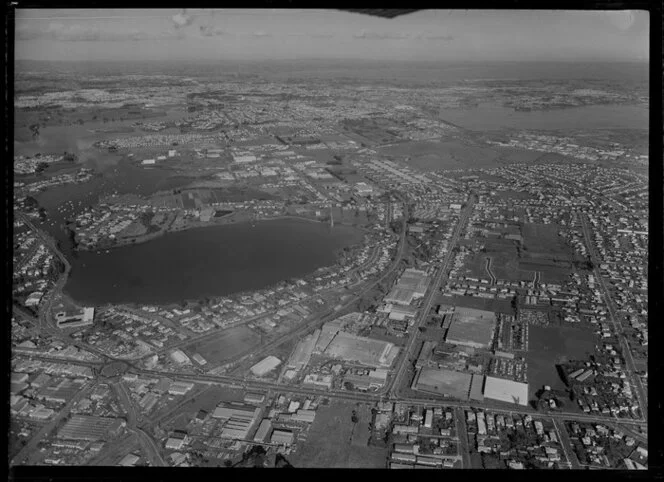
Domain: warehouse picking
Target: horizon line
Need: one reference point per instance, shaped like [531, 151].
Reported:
[336, 59]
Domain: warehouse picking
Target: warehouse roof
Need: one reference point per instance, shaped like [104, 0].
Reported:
[506, 390]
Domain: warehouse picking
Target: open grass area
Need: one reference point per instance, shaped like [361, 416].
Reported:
[549, 273]
[226, 345]
[495, 305]
[511, 194]
[552, 345]
[206, 399]
[543, 239]
[334, 441]
[431, 155]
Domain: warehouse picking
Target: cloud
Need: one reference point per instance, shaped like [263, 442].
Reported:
[211, 31]
[311, 34]
[73, 33]
[80, 33]
[27, 33]
[260, 33]
[623, 20]
[446, 38]
[381, 35]
[182, 19]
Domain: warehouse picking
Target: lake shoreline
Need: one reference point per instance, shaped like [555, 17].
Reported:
[144, 238]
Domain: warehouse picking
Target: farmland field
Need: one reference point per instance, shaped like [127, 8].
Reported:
[551, 345]
[335, 441]
[431, 156]
[511, 194]
[228, 344]
[543, 239]
[495, 305]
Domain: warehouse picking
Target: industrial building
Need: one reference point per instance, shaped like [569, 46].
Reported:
[265, 366]
[473, 328]
[412, 285]
[61, 392]
[129, 460]
[416, 280]
[506, 390]
[399, 312]
[318, 380]
[228, 411]
[254, 398]
[375, 379]
[400, 296]
[302, 353]
[238, 420]
[179, 357]
[84, 427]
[302, 415]
[174, 443]
[180, 388]
[282, 437]
[264, 431]
[84, 318]
[477, 388]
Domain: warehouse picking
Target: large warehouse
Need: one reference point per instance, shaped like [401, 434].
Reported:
[506, 390]
[412, 285]
[265, 366]
[416, 280]
[472, 328]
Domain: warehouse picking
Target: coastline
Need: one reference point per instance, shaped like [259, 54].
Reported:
[198, 224]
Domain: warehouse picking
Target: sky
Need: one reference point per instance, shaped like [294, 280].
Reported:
[217, 34]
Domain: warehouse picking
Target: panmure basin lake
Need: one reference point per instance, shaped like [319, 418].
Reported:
[220, 260]
[206, 262]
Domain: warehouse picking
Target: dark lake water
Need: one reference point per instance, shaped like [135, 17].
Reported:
[209, 261]
[220, 260]
[66, 201]
[492, 117]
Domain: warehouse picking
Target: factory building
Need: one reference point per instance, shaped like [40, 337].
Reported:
[264, 431]
[282, 437]
[265, 366]
[506, 390]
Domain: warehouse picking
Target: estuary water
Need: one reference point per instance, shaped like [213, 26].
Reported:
[206, 262]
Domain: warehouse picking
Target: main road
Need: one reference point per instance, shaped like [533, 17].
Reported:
[394, 384]
[617, 325]
[333, 312]
[31, 446]
[147, 443]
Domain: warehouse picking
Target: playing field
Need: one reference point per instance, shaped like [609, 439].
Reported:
[334, 441]
[548, 346]
[431, 156]
[226, 345]
[444, 382]
[542, 240]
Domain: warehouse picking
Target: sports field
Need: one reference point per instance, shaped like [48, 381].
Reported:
[444, 382]
[548, 346]
[543, 239]
[432, 156]
[226, 345]
[334, 441]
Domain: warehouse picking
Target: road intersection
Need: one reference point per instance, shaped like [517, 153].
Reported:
[390, 392]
